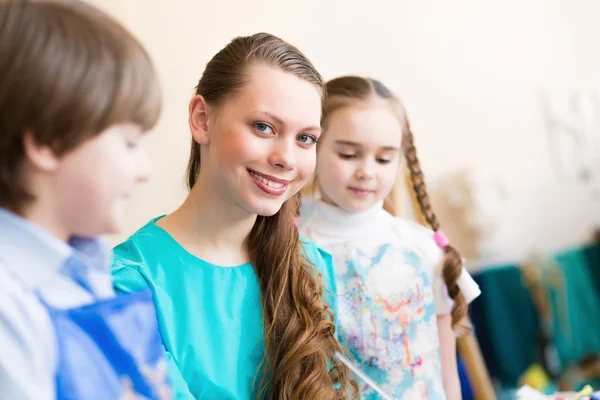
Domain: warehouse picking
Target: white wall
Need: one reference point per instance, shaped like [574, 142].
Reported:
[470, 73]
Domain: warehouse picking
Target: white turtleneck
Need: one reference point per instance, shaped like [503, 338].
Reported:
[330, 226]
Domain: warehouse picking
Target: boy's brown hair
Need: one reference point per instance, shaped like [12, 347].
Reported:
[68, 71]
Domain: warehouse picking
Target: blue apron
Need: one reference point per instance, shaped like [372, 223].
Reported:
[110, 349]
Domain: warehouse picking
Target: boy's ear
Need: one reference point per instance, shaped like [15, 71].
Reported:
[198, 119]
[41, 157]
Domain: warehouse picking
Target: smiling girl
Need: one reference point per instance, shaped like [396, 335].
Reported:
[240, 297]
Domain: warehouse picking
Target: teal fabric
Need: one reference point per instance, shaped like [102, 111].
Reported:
[592, 255]
[506, 320]
[575, 307]
[506, 323]
[210, 317]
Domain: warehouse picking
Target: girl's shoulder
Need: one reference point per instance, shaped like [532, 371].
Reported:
[324, 265]
[419, 238]
[318, 257]
[140, 248]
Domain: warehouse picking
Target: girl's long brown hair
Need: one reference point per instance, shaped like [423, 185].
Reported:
[299, 326]
[351, 90]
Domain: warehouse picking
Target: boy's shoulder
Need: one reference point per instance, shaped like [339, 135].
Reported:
[35, 261]
[27, 337]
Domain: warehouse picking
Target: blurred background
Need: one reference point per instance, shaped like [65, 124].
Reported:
[504, 100]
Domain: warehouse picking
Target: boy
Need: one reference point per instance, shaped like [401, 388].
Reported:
[77, 92]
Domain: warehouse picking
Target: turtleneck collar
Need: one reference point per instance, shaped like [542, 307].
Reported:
[328, 219]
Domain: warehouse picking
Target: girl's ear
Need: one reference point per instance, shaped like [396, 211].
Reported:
[199, 122]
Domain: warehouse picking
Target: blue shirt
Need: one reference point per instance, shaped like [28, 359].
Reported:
[210, 316]
[31, 265]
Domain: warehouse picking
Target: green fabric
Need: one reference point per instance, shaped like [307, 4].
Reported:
[592, 255]
[210, 317]
[507, 320]
[510, 323]
[575, 307]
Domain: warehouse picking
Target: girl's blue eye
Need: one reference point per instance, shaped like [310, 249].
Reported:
[307, 139]
[263, 128]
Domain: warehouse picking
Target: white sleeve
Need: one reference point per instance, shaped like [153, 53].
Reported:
[27, 344]
[433, 257]
[443, 302]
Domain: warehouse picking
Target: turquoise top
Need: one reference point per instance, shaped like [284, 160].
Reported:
[210, 317]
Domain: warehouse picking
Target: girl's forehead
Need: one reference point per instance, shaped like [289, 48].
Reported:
[292, 100]
[371, 127]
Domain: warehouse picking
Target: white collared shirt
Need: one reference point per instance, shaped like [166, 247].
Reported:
[31, 260]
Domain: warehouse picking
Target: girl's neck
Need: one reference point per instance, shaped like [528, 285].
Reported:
[330, 219]
[210, 227]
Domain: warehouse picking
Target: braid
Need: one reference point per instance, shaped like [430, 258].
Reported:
[452, 263]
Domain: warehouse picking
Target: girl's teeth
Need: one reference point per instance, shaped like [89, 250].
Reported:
[274, 185]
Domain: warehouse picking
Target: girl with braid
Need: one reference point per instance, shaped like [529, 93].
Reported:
[402, 290]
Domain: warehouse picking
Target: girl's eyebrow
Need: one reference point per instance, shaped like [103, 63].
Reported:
[348, 143]
[282, 123]
[354, 144]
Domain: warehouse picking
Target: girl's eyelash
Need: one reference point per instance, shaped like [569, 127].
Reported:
[351, 156]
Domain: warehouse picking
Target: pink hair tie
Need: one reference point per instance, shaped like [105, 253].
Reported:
[441, 239]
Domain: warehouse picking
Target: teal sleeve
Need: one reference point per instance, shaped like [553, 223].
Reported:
[323, 262]
[328, 271]
[125, 269]
[128, 279]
